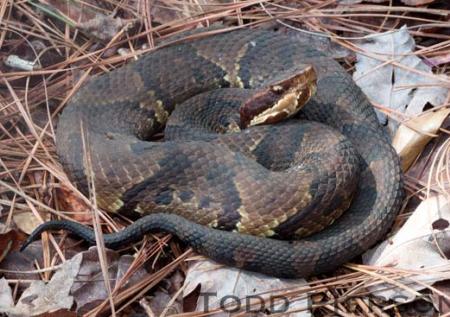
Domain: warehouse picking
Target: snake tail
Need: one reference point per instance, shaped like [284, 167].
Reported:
[241, 251]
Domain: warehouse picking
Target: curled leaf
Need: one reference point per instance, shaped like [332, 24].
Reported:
[413, 135]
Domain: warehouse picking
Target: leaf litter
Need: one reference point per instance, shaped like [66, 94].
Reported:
[385, 72]
[41, 297]
[420, 249]
[89, 290]
[413, 135]
[69, 52]
[217, 282]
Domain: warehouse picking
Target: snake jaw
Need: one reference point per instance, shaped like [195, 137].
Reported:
[280, 100]
[282, 109]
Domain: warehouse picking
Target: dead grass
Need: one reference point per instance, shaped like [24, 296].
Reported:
[64, 55]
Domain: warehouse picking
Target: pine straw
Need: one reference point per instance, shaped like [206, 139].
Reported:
[30, 175]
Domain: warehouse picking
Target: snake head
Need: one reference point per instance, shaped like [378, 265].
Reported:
[279, 100]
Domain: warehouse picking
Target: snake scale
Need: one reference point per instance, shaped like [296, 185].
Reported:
[232, 190]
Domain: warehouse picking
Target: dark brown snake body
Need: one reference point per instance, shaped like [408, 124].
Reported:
[291, 178]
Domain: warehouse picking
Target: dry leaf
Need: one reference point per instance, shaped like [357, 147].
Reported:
[6, 299]
[17, 262]
[42, 297]
[71, 201]
[9, 240]
[163, 302]
[87, 17]
[168, 11]
[167, 299]
[411, 137]
[441, 303]
[89, 291]
[428, 170]
[27, 222]
[420, 246]
[103, 27]
[225, 285]
[393, 87]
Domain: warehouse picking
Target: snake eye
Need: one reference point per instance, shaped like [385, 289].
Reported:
[279, 100]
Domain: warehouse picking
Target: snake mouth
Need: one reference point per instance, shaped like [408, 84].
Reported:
[279, 100]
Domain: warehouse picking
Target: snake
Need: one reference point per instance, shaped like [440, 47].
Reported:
[272, 159]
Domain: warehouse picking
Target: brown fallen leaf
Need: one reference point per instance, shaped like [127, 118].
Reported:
[89, 289]
[10, 240]
[165, 299]
[425, 171]
[103, 27]
[441, 303]
[167, 11]
[71, 201]
[27, 222]
[17, 262]
[41, 297]
[413, 135]
[85, 15]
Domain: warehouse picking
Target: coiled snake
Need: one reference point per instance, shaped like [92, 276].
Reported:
[287, 179]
